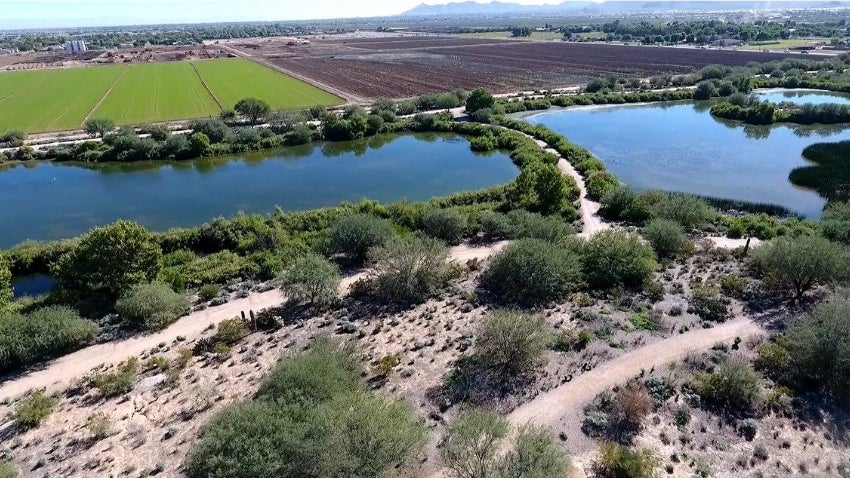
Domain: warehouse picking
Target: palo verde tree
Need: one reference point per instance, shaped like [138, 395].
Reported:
[253, 109]
[798, 264]
[109, 260]
[98, 126]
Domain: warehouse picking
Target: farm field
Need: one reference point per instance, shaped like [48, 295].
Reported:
[157, 92]
[784, 44]
[229, 79]
[56, 100]
[507, 36]
[404, 66]
[62, 99]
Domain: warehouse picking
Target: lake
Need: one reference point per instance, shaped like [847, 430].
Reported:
[59, 200]
[680, 147]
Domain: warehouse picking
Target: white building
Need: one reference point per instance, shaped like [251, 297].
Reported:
[76, 46]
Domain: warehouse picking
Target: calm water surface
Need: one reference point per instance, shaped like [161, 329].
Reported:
[56, 200]
[681, 147]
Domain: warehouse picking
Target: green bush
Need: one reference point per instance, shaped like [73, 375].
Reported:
[324, 371]
[511, 341]
[614, 259]
[689, 211]
[118, 382]
[408, 269]
[836, 221]
[733, 387]
[600, 183]
[798, 264]
[6, 293]
[448, 225]
[618, 461]
[313, 279]
[151, 306]
[31, 410]
[527, 225]
[495, 225]
[26, 339]
[230, 331]
[622, 203]
[357, 233]
[217, 268]
[7, 470]
[209, 292]
[530, 272]
[708, 304]
[666, 237]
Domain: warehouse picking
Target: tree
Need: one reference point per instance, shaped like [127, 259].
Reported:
[409, 269]
[109, 260]
[531, 272]
[200, 143]
[151, 306]
[252, 108]
[479, 99]
[667, 237]
[98, 126]
[543, 188]
[799, 264]
[614, 259]
[511, 341]
[355, 234]
[6, 291]
[817, 345]
[312, 278]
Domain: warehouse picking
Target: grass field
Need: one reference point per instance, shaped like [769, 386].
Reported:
[158, 92]
[228, 81]
[55, 100]
[784, 44]
[507, 35]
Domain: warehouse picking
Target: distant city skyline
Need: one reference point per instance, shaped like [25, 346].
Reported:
[31, 14]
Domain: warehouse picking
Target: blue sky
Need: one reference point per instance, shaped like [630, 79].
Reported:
[57, 13]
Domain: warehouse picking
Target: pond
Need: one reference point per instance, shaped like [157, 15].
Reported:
[60, 200]
[35, 284]
[681, 147]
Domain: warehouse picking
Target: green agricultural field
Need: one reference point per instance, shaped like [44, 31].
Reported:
[52, 100]
[157, 92]
[234, 79]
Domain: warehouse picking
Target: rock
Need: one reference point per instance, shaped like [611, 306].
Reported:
[406, 373]
[419, 345]
[346, 327]
[150, 383]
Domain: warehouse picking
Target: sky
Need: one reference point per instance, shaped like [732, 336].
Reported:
[59, 13]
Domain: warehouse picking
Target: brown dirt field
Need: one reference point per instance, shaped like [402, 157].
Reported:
[38, 61]
[406, 66]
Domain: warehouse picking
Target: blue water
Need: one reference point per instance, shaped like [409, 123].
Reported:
[681, 147]
[802, 96]
[56, 200]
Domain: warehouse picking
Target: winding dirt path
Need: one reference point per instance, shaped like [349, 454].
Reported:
[60, 372]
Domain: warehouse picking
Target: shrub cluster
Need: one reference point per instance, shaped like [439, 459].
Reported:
[29, 338]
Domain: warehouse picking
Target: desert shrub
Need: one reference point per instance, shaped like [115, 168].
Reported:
[622, 203]
[527, 225]
[617, 259]
[408, 269]
[6, 293]
[40, 335]
[99, 425]
[357, 233]
[600, 183]
[319, 374]
[733, 387]
[208, 292]
[798, 264]
[531, 272]
[733, 285]
[618, 461]
[689, 211]
[31, 410]
[748, 428]
[216, 268]
[447, 225]
[495, 225]
[511, 341]
[230, 331]
[312, 278]
[814, 351]
[118, 382]
[7, 470]
[666, 237]
[151, 306]
[570, 340]
[707, 303]
[470, 449]
[619, 416]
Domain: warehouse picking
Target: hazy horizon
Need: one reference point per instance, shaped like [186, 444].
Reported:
[38, 14]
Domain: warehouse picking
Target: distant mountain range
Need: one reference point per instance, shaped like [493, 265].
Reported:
[614, 6]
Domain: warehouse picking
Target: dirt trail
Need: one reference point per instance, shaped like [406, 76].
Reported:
[565, 404]
[63, 370]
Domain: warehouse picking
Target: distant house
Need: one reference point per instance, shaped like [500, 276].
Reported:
[727, 42]
[76, 46]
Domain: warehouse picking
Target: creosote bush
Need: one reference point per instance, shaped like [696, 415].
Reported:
[512, 341]
[151, 306]
[313, 279]
[531, 272]
[408, 269]
[447, 225]
[33, 409]
[614, 259]
[733, 386]
[356, 234]
[667, 237]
